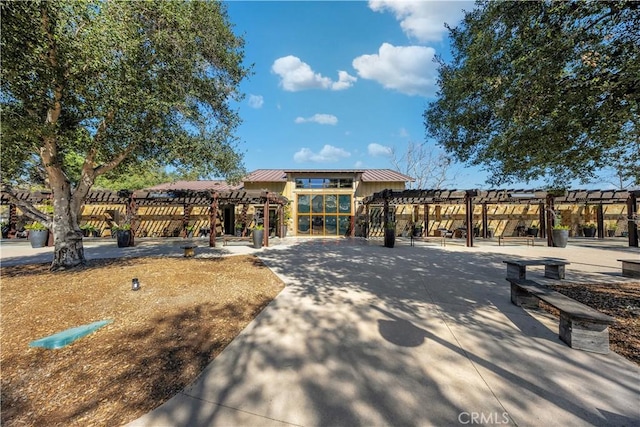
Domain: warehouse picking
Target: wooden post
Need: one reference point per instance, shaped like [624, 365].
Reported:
[485, 221]
[426, 220]
[213, 215]
[550, 219]
[366, 221]
[468, 202]
[265, 221]
[600, 221]
[186, 216]
[632, 216]
[541, 216]
[13, 218]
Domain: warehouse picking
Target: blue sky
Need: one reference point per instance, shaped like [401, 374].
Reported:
[340, 84]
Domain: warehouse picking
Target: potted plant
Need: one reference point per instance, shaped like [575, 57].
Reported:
[533, 231]
[88, 230]
[258, 236]
[560, 235]
[189, 230]
[123, 234]
[390, 234]
[6, 228]
[38, 234]
[239, 228]
[589, 230]
[611, 230]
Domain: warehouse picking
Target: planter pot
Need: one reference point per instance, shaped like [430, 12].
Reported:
[389, 238]
[560, 237]
[5, 232]
[124, 238]
[589, 232]
[283, 231]
[611, 233]
[532, 232]
[258, 236]
[38, 238]
[417, 231]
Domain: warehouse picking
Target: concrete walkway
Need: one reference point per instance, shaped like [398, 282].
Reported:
[364, 335]
[368, 336]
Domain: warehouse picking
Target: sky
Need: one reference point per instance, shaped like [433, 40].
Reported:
[339, 85]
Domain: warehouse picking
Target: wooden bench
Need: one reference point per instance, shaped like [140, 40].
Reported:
[630, 267]
[581, 327]
[553, 268]
[229, 239]
[440, 239]
[529, 239]
[189, 250]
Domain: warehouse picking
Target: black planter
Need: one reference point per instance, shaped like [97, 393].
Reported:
[417, 231]
[389, 238]
[560, 237]
[5, 231]
[258, 236]
[124, 238]
[589, 231]
[531, 231]
[611, 233]
[38, 238]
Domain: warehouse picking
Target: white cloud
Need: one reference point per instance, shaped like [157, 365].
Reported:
[323, 119]
[256, 101]
[358, 164]
[403, 133]
[345, 81]
[407, 69]
[378, 150]
[328, 153]
[296, 75]
[423, 20]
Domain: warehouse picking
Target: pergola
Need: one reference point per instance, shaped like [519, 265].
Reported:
[132, 200]
[545, 199]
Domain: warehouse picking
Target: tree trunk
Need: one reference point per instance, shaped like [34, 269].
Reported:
[67, 236]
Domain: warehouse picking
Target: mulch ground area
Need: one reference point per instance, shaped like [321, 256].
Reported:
[162, 336]
[620, 300]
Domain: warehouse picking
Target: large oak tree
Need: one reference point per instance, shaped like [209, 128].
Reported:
[114, 84]
[542, 90]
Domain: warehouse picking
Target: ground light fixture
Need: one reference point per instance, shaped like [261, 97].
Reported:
[135, 284]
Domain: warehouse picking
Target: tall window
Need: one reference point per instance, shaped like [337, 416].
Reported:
[324, 214]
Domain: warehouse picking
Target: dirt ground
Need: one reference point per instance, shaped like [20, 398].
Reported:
[621, 301]
[161, 338]
[163, 335]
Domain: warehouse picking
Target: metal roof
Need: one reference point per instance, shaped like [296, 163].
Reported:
[196, 186]
[368, 175]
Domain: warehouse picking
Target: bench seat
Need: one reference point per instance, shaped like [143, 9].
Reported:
[630, 267]
[530, 240]
[229, 239]
[581, 327]
[553, 268]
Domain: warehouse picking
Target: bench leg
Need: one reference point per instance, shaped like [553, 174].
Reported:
[583, 335]
[522, 298]
[516, 271]
[554, 271]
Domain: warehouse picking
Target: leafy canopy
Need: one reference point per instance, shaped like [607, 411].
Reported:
[542, 90]
[99, 85]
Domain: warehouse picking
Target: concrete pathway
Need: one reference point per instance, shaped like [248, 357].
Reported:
[364, 335]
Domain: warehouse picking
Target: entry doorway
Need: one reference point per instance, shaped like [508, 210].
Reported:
[229, 215]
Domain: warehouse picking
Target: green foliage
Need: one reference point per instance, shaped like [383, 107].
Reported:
[542, 89]
[89, 87]
[121, 227]
[35, 226]
[259, 227]
[589, 226]
[561, 227]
